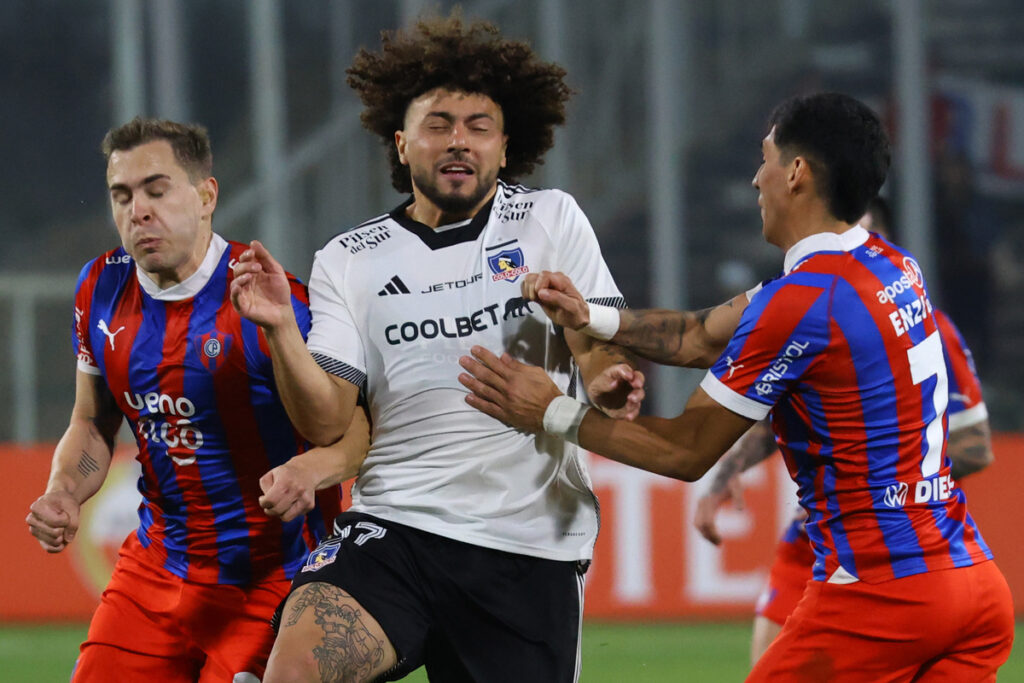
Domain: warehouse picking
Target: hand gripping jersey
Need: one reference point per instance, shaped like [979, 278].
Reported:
[395, 304]
[846, 353]
[196, 384]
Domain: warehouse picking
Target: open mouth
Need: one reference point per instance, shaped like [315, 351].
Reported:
[456, 170]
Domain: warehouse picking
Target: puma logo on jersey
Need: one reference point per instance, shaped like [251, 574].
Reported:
[394, 286]
[732, 368]
[102, 325]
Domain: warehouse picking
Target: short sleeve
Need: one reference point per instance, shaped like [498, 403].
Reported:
[580, 256]
[334, 339]
[781, 334]
[966, 405]
[80, 342]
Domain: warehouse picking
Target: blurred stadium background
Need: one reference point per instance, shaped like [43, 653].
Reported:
[660, 145]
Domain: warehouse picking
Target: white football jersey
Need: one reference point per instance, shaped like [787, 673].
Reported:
[396, 303]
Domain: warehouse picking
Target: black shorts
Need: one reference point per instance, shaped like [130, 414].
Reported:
[465, 612]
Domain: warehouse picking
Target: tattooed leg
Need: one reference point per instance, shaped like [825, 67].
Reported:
[327, 636]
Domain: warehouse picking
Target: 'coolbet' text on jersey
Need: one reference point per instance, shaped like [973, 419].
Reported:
[396, 303]
[196, 384]
[845, 352]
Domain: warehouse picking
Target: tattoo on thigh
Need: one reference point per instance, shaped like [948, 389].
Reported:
[348, 650]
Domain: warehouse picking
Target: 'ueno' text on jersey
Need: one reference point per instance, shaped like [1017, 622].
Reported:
[195, 382]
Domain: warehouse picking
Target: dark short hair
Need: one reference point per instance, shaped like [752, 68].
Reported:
[190, 142]
[472, 59]
[844, 143]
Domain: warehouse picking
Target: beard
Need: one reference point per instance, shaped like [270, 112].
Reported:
[454, 204]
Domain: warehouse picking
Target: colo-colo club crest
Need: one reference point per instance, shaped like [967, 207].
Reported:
[507, 264]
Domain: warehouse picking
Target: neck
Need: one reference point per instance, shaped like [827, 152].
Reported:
[810, 219]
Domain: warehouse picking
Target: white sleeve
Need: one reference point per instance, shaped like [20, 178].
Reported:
[579, 255]
[334, 339]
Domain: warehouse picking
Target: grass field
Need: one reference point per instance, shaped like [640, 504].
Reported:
[612, 653]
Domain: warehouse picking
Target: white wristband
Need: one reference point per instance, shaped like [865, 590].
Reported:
[563, 418]
[604, 322]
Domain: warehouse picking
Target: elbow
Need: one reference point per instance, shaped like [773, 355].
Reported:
[685, 466]
[324, 432]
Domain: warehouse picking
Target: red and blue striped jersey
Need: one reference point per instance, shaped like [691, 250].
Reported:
[195, 382]
[845, 352]
[966, 406]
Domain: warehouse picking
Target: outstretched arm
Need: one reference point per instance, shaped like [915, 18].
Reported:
[687, 338]
[319, 404]
[753, 447]
[523, 396]
[80, 464]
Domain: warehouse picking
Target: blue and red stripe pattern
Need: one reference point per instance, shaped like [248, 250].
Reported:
[966, 405]
[845, 352]
[195, 382]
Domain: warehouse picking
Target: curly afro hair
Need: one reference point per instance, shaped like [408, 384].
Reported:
[474, 59]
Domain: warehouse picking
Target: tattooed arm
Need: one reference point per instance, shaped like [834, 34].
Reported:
[688, 338]
[970, 449]
[80, 464]
[753, 447]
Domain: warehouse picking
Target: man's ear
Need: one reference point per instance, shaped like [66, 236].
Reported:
[799, 174]
[208, 192]
[400, 142]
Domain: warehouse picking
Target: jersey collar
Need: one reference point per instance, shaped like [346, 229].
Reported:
[444, 235]
[824, 241]
[190, 286]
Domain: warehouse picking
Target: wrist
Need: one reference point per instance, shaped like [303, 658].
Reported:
[563, 418]
[604, 322]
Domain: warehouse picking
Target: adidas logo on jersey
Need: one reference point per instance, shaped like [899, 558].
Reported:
[395, 286]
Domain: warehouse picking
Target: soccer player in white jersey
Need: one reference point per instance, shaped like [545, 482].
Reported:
[467, 540]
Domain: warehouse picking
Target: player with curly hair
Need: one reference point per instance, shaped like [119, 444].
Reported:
[466, 543]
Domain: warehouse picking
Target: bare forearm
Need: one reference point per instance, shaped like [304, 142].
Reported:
[686, 338]
[594, 356]
[684, 447]
[753, 447]
[80, 461]
[341, 461]
[319, 406]
[639, 444]
[970, 449]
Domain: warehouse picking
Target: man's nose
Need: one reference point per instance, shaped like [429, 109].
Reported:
[457, 139]
[142, 210]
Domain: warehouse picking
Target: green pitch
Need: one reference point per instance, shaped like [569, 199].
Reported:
[612, 653]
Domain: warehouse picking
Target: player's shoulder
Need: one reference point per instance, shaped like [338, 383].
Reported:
[113, 263]
[553, 209]
[518, 197]
[365, 237]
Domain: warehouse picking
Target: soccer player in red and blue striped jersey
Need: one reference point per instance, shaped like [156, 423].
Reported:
[844, 352]
[969, 450]
[223, 523]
